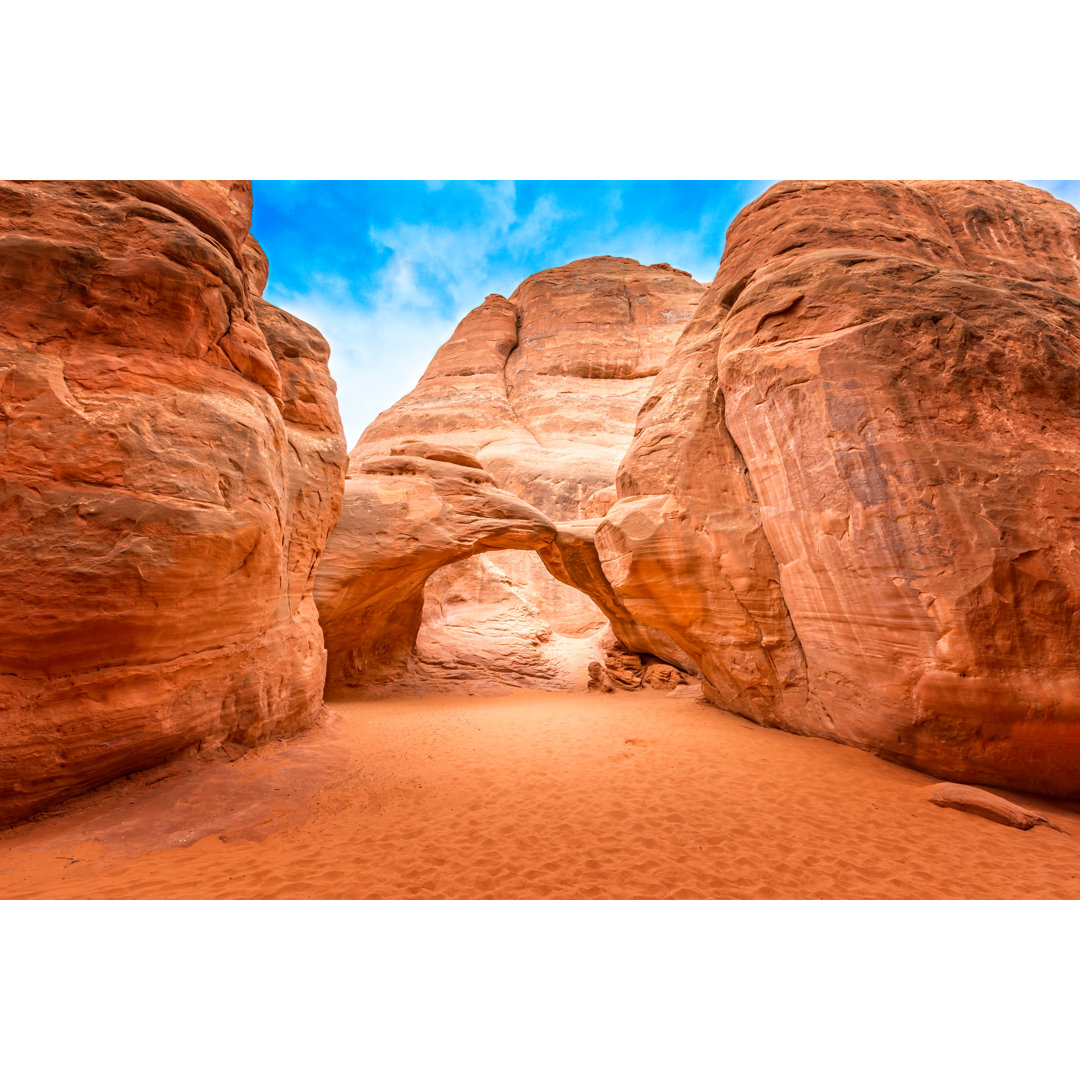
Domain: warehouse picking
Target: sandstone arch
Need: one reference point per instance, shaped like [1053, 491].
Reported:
[539, 390]
[413, 511]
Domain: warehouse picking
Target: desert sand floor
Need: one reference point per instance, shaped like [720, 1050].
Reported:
[534, 795]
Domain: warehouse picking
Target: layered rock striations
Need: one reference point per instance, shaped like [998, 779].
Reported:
[853, 495]
[171, 463]
[542, 389]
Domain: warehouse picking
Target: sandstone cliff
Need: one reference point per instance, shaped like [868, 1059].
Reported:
[171, 463]
[542, 389]
[853, 495]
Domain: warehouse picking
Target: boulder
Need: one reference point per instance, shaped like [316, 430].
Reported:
[661, 676]
[599, 678]
[623, 669]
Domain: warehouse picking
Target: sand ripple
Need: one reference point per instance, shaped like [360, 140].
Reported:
[536, 795]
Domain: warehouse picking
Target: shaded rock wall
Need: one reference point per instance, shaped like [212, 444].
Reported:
[854, 493]
[481, 618]
[171, 463]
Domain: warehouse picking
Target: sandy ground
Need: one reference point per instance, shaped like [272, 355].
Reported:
[534, 795]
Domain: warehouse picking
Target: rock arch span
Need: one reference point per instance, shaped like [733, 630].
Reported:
[417, 509]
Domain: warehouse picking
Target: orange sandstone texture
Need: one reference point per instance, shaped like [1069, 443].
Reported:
[853, 495]
[415, 514]
[171, 463]
[404, 517]
[542, 389]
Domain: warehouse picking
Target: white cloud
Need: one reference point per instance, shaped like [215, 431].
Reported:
[1067, 190]
[377, 354]
[435, 274]
[463, 263]
[531, 234]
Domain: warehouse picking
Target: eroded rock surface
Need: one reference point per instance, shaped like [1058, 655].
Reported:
[171, 462]
[542, 390]
[623, 669]
[403, 518]
[853, 496]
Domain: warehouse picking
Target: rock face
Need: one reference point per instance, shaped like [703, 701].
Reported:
[171, 463]
[542, 389]
[477, 617]
[853, 496]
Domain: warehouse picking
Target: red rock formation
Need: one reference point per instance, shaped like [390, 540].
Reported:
[623, 669]
[572, 558]
[854, 494]
[404, 517]
[543, 389]
[171, 462]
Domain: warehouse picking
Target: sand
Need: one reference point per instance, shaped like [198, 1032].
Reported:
[534, 795]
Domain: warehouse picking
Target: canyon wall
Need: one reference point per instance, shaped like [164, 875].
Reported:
[542, 390]
[853, 495]
[171, 463]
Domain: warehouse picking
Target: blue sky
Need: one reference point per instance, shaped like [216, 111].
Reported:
[386, 269]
